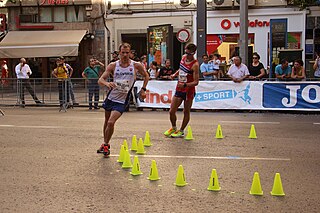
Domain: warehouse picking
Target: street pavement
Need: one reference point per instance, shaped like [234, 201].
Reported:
[49, 162]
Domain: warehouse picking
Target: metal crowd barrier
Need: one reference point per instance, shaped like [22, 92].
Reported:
[46, 90]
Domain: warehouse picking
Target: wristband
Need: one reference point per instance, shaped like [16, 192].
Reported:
[144, 89]
[185, 85]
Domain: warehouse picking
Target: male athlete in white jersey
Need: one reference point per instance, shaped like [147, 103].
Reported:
[124, 75]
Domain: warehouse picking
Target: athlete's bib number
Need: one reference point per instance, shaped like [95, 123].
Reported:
[182, 76]
[123, 86]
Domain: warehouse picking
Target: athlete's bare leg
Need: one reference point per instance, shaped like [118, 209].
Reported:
[186, 113]
[109, 122]
[176, 102]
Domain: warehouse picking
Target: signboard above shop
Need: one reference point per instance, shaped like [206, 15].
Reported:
[13, 3]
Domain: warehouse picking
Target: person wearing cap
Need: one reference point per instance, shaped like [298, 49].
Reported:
[23, 72]
[70, 72]
[115, 56]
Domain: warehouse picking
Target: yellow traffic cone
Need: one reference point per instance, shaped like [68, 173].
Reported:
[253, 134]
[121, 155]
[140, 150]
[153, 175]
[180, 179]
[214, 182]
[127, 161]
[277, 189]
[134, 144]
[136, 167]
[147, 141]
[189, 136]
[256, 186]
[125, 144]
[219, 132]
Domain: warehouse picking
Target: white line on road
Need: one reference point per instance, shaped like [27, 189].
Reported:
[36, 127]
[316, 123]
[250, 122]
[213, 157]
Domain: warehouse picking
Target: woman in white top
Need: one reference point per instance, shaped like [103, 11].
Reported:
[316, 66]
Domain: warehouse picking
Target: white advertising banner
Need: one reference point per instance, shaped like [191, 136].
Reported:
[259, 95]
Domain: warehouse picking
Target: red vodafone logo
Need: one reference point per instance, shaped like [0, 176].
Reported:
[225, 24]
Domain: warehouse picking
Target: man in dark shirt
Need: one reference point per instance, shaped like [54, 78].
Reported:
[166, 71]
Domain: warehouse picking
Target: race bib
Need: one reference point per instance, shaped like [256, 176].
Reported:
[123, 86]
[182, 76]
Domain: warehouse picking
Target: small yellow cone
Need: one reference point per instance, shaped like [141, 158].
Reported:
[253, 134]
[147, 141]
[140, 150]
[125, 144]
[214, 182]
[256, 186]
[219, 132]
[121, 155]
[127, 161]
[277, 189]
[189, 136]
[134, 144]
[153, 175]
[181, 178]
[136, 167]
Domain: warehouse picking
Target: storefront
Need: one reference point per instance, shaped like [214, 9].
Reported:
[223, 29]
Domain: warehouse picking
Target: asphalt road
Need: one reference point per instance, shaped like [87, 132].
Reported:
[48, 162]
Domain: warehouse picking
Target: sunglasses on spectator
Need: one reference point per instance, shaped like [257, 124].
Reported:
[255, 57]
[192, 53]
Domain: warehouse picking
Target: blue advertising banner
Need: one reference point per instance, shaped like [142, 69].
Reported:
[291, 95]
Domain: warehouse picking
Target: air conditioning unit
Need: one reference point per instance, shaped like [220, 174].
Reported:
[230, 3]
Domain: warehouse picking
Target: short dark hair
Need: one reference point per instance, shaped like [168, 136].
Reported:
[154, 63]
[205, 55]
[283, 61]
[256, 54]
[192, 47]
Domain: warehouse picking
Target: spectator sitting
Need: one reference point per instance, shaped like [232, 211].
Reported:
[298, 72]
[316, 66]
[205, 68]
[256, 69]
[283, 70]
[238, 71]
[153, 70]
[166, 71]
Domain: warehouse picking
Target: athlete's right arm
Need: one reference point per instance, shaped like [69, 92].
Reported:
[103, 80]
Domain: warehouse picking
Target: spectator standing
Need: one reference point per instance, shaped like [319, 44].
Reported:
[166, 71]
[316, 66]
[61, 73]
[143, 60]
[153, 71]
[115, 56]
[238, 71]
[124, 72]
[185, 90]
[298, 72]
[92, 73]
[4, 72]
[150, 56]
[23, 73]
[215, 63]
[70, 73]
[283, 70]
[256, 68]
[205, 68]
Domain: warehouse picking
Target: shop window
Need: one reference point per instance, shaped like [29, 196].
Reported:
[45, 14]
[75, 14]
[310, 22]
[59, 14]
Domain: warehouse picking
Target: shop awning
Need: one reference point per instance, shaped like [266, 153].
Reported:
[17, 44]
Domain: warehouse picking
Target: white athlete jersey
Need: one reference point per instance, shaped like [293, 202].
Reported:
[124, 79]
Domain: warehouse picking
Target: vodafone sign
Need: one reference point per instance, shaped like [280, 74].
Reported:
[226, 24]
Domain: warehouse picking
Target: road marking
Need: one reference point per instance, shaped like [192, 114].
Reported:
[35, 127]
[213, 157]
[250, 122]
[316, 123]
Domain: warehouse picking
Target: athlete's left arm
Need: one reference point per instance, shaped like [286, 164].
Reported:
[143, 72]
[195, 69]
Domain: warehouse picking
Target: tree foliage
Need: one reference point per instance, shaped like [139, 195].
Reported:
[302, 4]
